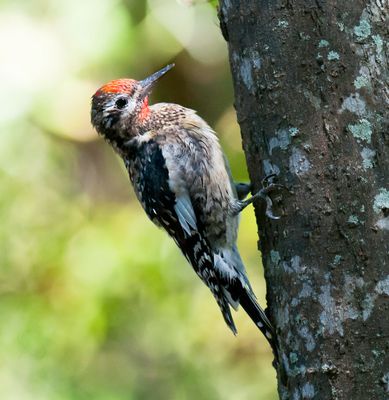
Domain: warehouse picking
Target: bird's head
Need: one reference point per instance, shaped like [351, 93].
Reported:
[122, 104]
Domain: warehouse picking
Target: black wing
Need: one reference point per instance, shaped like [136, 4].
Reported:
[150, 177]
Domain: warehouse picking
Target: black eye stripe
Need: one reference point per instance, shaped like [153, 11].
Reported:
[121, 102]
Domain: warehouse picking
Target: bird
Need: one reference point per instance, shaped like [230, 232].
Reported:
[183, 181]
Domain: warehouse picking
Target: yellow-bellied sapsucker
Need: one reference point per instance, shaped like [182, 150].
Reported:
[183, 182]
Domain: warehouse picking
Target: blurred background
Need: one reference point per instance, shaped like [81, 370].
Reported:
[96, 302]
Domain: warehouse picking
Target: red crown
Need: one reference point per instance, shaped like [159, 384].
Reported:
[117, 86]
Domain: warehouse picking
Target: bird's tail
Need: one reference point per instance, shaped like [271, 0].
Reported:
[249, 303]
[237, 290]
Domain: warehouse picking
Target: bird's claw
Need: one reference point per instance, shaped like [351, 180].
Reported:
[264, 194]
[268, 179]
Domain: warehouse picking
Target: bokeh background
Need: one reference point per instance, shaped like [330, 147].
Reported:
[95, 302]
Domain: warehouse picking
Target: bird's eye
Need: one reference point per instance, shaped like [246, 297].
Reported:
[121, 103]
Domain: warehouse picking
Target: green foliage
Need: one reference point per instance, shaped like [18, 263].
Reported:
[214, 3]
[97, 303]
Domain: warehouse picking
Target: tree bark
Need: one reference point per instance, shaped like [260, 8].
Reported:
[311, 99]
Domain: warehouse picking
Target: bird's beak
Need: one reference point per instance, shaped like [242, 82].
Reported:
[148, 83]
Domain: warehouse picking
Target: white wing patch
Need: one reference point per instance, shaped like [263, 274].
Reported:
[223, 267]
[185, 213]
[224, 263]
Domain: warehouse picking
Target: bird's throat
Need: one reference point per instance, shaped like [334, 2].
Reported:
[145, 111]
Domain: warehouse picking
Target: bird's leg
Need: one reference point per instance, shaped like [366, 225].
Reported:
[242, 189]
[262, 194]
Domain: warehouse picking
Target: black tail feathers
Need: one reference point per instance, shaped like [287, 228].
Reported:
[258, 316]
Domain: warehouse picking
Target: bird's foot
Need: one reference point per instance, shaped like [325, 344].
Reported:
[268, 187]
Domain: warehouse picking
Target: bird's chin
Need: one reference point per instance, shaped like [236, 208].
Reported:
[110, 123]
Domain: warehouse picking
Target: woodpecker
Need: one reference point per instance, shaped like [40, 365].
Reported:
[182, 179]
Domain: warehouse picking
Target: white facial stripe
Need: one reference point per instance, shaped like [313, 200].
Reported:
[130, 107]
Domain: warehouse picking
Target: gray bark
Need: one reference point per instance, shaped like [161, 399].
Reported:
[311, 98]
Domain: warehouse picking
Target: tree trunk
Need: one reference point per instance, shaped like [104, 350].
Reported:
[311, 99]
